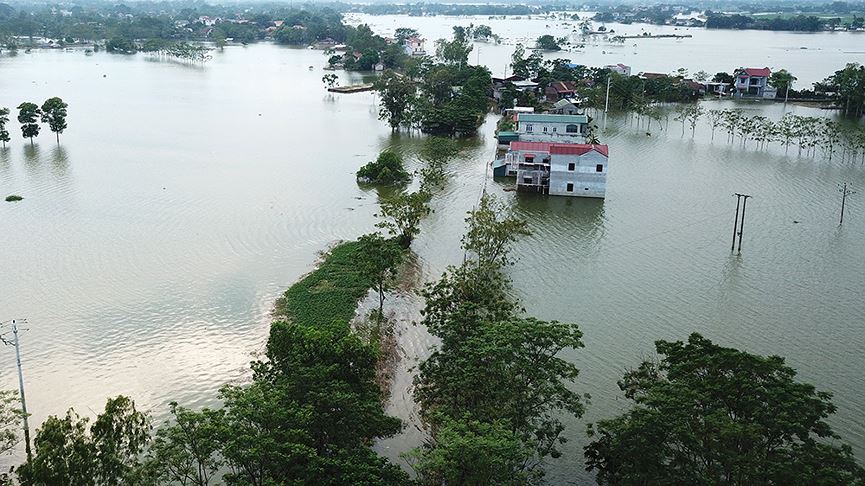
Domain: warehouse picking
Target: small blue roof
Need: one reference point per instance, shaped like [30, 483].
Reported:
[544, 118]
[572, 65]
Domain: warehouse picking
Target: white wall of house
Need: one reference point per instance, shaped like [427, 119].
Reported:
[578, 175]
[552, 132]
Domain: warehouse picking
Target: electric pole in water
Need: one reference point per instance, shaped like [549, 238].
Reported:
[845, 191]
[20, 385]
[739, 223]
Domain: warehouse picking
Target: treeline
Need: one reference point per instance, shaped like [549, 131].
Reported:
[127, 28]
[53, 112]
[805, 23]
[443, 97]
[419, 9]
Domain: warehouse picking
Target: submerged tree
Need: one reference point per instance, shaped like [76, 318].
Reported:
[705, 414]
[377, 260]
[397, 94]
[54, 114]
[4, 132]
[28, 117]
[401, 215]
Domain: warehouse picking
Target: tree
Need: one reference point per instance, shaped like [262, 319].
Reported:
[54, 114]
[386, 169]
[66, 454]
[330, 80]
[397, 95]
[401, 215]
[526, 67]
[482, 32]
[28, 116]
[4, 132]
[455, 51]
[781, 80]
[723, 78]
[186, 450]
[10, 420]
[848, 86]
[548, 43]
[701, 76]
[471, 452]
[378, 262]
[494, 369]
[706, 414]
[402, 34]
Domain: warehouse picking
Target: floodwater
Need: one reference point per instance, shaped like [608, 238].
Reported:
[151, 244]
[810, 56]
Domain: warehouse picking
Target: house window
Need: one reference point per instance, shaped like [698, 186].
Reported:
[530, 159]
[527, 180]
[545, 129]
[599, 168]
[529, 127]
[554, 129]
[572, 129]
[572, 166]
[570, 187]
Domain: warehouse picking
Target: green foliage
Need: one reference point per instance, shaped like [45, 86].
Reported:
[455, 51]
[781, 80]
[397, 95]
[66, 453]
[54, 114]
[4, 119]
[10, 411]
[28, 117]
[706, 414]
[495, 370]
[473, 453]
[401, 34]
[401, 215]
[121, 45]
[328, 294]
[848, 87]
[526, 67]
[548, 43]
[13, 198]
[378, 261]
[330, 80]
[386, 169]
[186, 449]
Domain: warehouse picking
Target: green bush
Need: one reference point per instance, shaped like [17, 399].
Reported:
[387, 169]
[13, 198]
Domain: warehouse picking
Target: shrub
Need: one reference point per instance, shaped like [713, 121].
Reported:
[387, 169]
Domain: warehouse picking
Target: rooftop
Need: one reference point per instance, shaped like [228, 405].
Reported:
[543, 118]
[560, 148]
[758, 71]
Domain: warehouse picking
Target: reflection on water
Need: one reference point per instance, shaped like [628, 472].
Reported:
[59, 161]
[153, 275]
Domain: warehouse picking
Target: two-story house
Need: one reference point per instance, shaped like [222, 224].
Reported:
[559, 169]
[753, 83]
[533, 127]
[413, 46]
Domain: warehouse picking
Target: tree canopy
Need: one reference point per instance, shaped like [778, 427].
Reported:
[706, 414]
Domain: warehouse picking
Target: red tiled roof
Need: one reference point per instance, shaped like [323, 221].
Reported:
[540, 146]
[560, 148]
[758, 71]
[578, 149]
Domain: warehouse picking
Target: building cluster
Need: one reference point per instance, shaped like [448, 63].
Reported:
[547, 153]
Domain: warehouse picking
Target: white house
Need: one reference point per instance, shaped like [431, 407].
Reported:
[414, 46]
[559, 169]
[533, 127]
[754, 82]
[619, 68]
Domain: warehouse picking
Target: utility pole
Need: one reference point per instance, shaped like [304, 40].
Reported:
[607, 98]
[845, 191]
[738, 222]
[21, 387]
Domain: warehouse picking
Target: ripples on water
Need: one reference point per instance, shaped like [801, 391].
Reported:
[147, 258]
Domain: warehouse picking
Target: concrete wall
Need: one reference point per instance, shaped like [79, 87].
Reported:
[587, 182]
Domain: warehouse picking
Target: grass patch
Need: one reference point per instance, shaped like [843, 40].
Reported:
[330, 293]
[13, 198]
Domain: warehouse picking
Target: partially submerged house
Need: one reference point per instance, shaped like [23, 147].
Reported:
[413, 46]
[533, 127]
[620, 68]
[568, 106]
[560, 169]
[753, 83]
